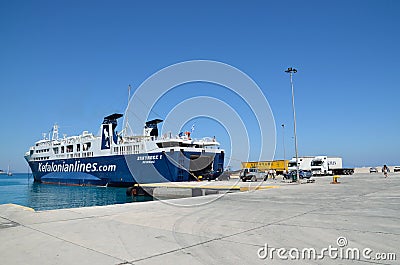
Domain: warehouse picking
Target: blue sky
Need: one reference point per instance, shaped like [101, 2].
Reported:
[70, 62]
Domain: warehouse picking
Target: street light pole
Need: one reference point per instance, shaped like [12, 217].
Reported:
[292, 71]
[283, 141]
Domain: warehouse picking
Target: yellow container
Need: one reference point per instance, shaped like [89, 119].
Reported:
[278, 165]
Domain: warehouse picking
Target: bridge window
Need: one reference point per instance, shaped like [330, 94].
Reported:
[86, 146]
[70, 148]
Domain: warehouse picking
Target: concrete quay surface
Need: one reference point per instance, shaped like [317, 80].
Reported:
[363, 211]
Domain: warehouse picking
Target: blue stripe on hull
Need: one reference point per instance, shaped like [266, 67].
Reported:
[118, 170]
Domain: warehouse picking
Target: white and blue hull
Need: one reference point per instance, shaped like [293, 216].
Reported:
[121, 170]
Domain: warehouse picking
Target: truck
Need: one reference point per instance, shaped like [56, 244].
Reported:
[280, 166]
[304, 163]
[325, 165]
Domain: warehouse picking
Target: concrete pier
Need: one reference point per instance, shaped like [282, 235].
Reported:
[362, 211]
[173, 190]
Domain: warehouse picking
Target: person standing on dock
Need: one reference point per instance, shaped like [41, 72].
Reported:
[271, 173]
[385, 171]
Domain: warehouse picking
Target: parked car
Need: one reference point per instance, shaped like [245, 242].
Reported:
[252, 174]
[211, 175]
[373, 170]
[226, 175]
[303, 174]
[396, 169]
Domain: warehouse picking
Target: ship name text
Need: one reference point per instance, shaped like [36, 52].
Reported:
[75, 167]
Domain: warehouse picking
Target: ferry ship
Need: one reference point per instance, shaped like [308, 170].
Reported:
[116, 159]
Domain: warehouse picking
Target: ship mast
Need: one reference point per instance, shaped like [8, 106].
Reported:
[125, 130]
[55, 132]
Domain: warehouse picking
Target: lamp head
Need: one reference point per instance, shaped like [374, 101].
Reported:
[291, 70]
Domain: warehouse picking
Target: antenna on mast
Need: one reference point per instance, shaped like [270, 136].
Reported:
[129, 92]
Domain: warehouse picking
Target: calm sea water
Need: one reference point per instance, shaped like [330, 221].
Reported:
[20, 189]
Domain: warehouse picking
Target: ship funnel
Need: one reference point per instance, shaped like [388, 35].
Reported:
[108, 130]
[151, 128]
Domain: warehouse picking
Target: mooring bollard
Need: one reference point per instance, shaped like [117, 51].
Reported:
[335, 180]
